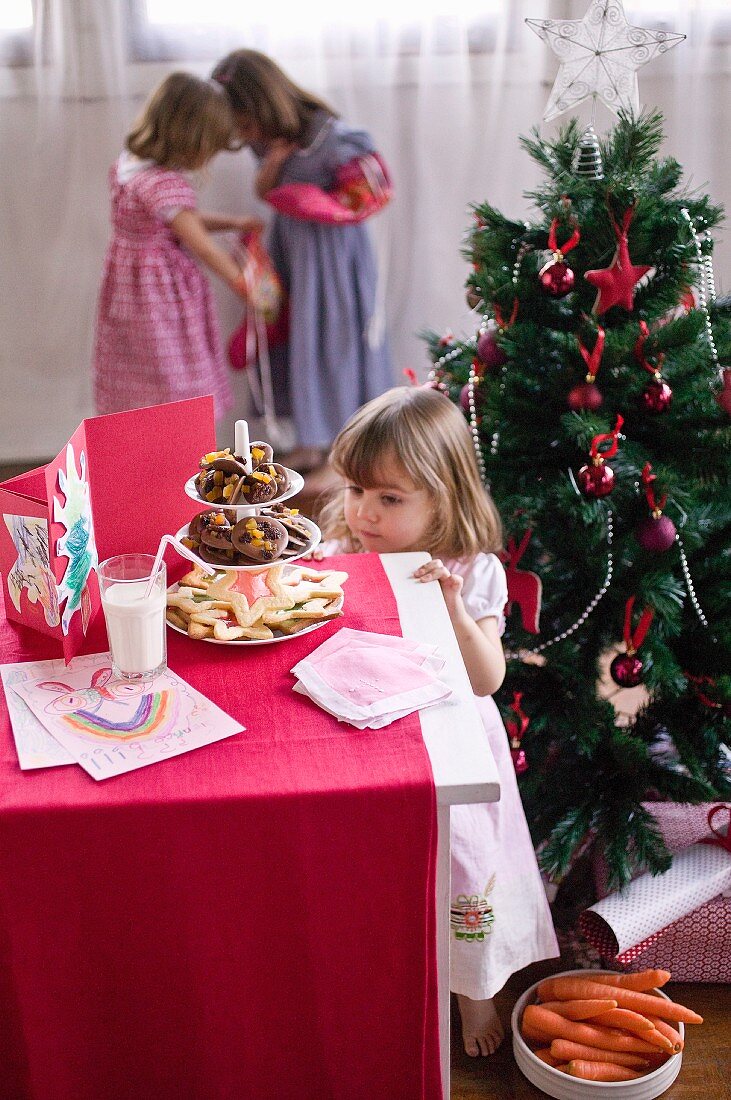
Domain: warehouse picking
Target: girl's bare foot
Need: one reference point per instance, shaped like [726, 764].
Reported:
[482, 1031]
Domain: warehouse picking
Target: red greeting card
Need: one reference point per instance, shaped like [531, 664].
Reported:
[116, 487]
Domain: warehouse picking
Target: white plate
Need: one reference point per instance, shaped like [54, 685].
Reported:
[555, 1083]
[278, 636]
[296, 484]
[258, 566]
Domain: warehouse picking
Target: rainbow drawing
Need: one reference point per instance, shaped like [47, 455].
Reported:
[156, 713]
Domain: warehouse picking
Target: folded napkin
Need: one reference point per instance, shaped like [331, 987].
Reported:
[370, 680]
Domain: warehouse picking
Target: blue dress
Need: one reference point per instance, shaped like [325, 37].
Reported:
[336, 360]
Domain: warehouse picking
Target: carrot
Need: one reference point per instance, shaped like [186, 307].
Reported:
[642, 982]
[656, 1039]
[536, 1017]
[528, 1031]
[601, 1071]
[580, 1010]
[622, 1017]
[669, 1033]
[564, 1050]
[570, 989]
[545, 1056]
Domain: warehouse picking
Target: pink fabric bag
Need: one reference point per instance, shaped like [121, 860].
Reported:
[362, 188]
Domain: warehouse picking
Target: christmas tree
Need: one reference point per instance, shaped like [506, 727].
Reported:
[594, 392]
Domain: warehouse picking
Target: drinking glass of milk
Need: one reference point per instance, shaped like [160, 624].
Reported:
[135, 617]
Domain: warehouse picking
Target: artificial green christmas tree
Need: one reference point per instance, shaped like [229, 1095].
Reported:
[594, 388]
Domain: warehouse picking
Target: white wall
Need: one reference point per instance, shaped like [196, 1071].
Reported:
[447, 148]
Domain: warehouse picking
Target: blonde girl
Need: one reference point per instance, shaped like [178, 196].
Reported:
[410, 482]
[157, 333]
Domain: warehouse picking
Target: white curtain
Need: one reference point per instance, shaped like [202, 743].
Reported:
[446, 95]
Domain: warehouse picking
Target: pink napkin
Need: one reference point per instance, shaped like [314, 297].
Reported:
[369, 679]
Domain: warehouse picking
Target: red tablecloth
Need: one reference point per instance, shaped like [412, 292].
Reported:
[252, 919]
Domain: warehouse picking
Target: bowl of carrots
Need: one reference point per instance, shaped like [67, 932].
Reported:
[597, 1033]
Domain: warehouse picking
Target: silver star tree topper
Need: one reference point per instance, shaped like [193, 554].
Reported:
[600, 55]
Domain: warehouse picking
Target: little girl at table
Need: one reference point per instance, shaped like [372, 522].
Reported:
[157, 335]
[412, 483]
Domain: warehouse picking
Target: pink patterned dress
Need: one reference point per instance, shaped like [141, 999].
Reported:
[157, 335]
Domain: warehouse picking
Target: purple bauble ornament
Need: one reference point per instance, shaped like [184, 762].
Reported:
[586, 395]
[488, 349]
[596, 479]
[657, 397]
[655, 533]
[464, 397]
[626, 670]
[556, 279]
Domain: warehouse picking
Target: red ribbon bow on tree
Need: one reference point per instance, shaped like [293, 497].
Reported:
[502, 324]
[639, 352]
[593, 358]
[656, 506]
[560, 252]
[612, 436]
[634, 639]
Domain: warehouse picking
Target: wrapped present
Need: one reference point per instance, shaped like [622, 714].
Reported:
[680, 920]
[116, 486]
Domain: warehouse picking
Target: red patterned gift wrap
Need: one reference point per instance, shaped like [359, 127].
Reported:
[697, 945]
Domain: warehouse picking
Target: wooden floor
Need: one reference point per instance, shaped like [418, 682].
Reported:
[706, 1070]
[704, 1075]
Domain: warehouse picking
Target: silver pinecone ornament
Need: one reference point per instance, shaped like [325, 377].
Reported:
[587, 159]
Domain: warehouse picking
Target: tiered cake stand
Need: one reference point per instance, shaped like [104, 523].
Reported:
[296, 482]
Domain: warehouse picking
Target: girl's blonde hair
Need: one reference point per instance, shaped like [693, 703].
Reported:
[260, 90]
[184, 123]
[423, 431]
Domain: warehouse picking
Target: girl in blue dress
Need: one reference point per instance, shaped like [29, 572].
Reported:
[323, 178]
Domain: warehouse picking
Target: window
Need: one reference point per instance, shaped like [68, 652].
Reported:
[176, 30]
[16, 32]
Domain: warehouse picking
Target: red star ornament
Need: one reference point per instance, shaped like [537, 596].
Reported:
[616, 283]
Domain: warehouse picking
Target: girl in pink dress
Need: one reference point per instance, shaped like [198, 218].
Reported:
[157, 335]
[411, 483]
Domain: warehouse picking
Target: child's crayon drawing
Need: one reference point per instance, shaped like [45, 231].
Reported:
[31, 571]
[77, 543]
[110, 726]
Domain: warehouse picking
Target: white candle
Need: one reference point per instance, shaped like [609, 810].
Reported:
[241, 444]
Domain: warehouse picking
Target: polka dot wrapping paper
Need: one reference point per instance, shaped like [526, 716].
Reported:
[679, 921]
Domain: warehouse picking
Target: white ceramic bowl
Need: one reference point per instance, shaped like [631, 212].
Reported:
[558, 1084]
[260, 566]
[296, 483]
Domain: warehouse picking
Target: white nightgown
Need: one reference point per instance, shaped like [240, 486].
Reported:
[500, 919]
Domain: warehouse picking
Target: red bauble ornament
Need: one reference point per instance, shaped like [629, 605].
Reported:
[587, 395]
[556, 279]
[596, 479]
[655, 533]
[520, 760]
[464, 397]
[657, 397]
[626, 670]
[724, 397]
[488, 349]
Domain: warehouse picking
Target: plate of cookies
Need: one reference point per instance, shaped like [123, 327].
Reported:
[222, 537]
[223, 479]
[244, 608]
